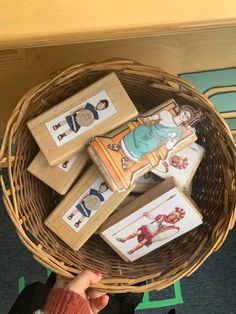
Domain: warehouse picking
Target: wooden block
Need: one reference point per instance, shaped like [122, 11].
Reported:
[189, 188]
[152, 220]
[84, 208]
[182, 165]
[66, 128]
[61, 177]
[131, 197]
[146, 182]
[124, 157]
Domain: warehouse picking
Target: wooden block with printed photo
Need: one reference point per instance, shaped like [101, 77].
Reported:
[66, 128]
[182, 165]
[152, 220]
[143, 143]
[61, 177]
[130, 198]
[84, 208]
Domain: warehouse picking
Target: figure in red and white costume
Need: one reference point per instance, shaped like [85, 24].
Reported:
[174, 161]
[146, 234]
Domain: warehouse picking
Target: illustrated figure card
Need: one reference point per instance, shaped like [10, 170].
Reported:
[143, 143]
[61, 177]
[84, 208]
[66, 128]
[182, 166]
[155, 218]
[81, 118]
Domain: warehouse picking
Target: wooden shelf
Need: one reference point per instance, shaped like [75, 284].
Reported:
[29, 23]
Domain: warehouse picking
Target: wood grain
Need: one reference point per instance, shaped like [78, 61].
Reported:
[176, 53]
[55, 177]
[120, 99]
[29, 23]
[76, 239]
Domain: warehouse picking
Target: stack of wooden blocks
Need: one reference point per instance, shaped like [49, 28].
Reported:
[122, 175]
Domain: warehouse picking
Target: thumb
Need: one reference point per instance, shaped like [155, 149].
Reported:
[82, 281]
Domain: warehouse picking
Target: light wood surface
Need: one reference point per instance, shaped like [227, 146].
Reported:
[27, 23]
[55, 177]
[139, 202]
[76, 239]
[21, 69]
[55, 154]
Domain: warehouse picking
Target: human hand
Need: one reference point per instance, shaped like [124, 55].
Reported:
[97, 300]
[145, 214]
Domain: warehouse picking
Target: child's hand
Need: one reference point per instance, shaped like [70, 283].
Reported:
[97, 300]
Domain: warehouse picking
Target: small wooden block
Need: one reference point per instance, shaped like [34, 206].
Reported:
[182, 166]
[66, 128]
[130, 198]
[189, 189]
[146, 182]
[84, 208]
[153, 219]
[61, 177]
[124, 157]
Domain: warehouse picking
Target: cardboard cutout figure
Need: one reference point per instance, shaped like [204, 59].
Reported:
[143, 143]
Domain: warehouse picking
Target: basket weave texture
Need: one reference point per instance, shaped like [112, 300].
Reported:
[28, 201]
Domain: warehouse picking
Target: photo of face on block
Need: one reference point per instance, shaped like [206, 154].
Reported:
[81, 118]
[82, 211]
[145, 141]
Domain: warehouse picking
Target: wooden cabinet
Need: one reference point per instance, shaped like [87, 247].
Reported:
[38, 39]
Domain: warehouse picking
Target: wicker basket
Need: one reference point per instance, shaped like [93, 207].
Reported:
[28, 201]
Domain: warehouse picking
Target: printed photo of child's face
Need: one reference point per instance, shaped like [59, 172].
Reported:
[184, 115]
[103, 188]
[103, 104]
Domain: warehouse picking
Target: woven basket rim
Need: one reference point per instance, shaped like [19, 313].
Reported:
[9, 195]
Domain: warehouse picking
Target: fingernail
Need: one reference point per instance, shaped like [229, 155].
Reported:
[98, 273]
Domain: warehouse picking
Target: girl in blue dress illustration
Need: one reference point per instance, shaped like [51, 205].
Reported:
[147, 137]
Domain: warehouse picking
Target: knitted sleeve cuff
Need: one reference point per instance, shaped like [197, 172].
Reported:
[64, 301]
